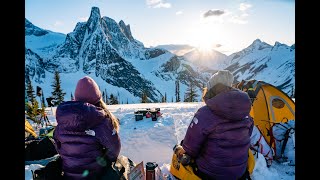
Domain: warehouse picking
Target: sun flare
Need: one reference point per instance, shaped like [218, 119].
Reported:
[206, 36]
[205, 46]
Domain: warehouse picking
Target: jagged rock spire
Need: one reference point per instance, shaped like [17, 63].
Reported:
[94, 18]
[126, 30]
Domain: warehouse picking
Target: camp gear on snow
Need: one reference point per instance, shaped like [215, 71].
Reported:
[153, 113]
[284, 139]
[82, 128]
[138, 116]
[269, 105]
[150, 170]
[87, 90]
[148, 114]
[259, 144]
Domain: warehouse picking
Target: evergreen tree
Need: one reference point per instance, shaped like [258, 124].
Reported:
[107, 98]
[172, 99]
[32, 111]
[103, 96]
[144, 97]
[177, 93]
[32, 104]
[113, 99]
[165, 97]
[43, 104]
[190, 94]
[118, 96]
[127, 101]
[57, 94]
[30, 92]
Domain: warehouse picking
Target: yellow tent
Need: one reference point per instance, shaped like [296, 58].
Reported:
[269, 105]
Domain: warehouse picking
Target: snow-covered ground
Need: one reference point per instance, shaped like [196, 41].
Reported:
[152, 141]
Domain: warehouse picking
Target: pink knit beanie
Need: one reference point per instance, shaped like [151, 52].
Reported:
[87, 90]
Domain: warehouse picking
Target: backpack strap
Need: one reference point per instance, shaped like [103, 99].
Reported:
[285, 140]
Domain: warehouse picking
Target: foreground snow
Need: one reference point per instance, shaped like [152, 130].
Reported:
[152, 141]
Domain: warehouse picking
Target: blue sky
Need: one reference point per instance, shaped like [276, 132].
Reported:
[226, 25]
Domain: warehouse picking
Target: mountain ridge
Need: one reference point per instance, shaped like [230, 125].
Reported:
[107, 51]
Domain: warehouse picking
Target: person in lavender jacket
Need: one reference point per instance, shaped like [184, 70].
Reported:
[218, 137]
[86, 135]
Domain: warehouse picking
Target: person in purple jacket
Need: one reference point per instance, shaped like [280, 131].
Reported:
[218, 137]
[86, 135]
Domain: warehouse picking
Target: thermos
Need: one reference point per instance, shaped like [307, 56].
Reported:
[150, 170]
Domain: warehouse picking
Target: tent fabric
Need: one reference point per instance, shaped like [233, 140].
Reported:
[270, 105]
[29, 129]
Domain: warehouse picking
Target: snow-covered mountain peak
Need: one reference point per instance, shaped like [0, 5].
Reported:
[95, 13]
[31, 29]
[258, 45]
[277, 44]
[126, 30]
[257, 42]
[94, 19]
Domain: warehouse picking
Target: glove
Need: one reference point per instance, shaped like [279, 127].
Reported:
[185, 159]
[178, 150]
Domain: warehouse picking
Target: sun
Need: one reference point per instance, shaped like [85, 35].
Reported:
[205, 36]
[204, 46]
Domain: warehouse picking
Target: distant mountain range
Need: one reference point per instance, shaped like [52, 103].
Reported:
[108, 52]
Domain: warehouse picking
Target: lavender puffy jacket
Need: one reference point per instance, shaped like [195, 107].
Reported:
[218, 137]
[82, 132]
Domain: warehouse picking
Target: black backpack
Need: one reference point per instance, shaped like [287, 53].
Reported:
[39, 148]
[52, 171]
[42, 151]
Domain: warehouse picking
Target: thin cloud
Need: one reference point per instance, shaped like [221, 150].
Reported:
[216, 12]
[238, 20]
[244, 6]
[83, 18]
[58, 23]
[158, 4]
[179, 12]
[242, 17]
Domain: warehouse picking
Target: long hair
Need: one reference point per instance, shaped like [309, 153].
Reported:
[114, 120]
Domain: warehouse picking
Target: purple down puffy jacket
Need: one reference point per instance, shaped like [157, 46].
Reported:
[84, 134]
[218, 137]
